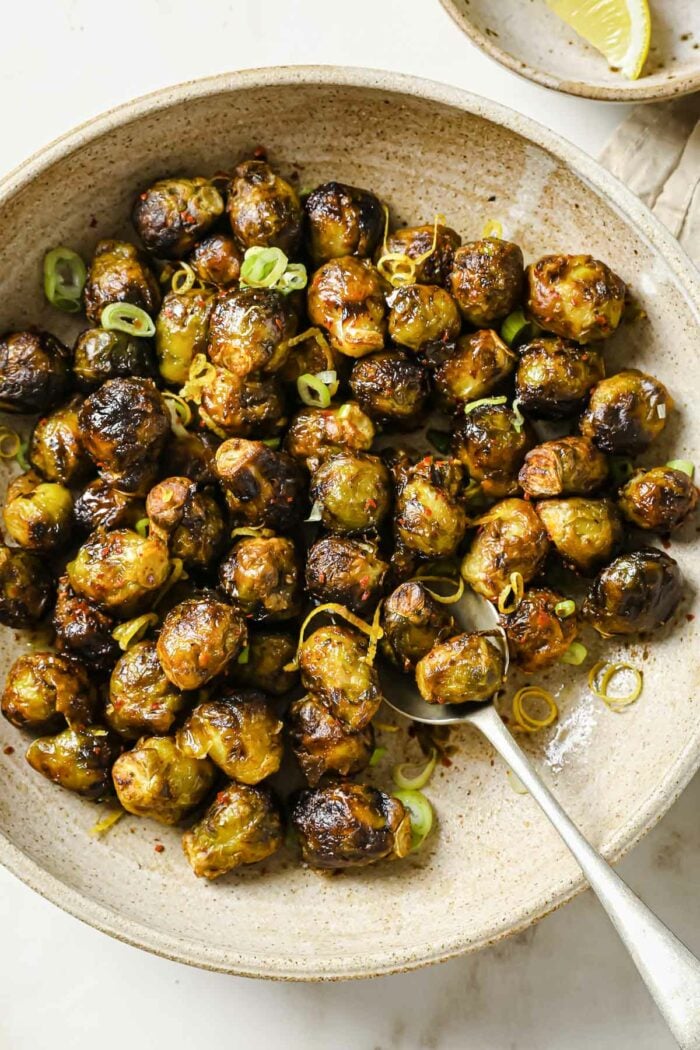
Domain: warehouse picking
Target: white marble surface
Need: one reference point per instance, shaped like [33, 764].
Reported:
[564, 985]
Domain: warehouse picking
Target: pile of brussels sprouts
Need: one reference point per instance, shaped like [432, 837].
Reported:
[205, 470]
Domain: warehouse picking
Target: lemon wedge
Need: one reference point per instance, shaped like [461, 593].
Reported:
[619, 29]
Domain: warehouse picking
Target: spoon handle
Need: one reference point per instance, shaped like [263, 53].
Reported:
[669, 970]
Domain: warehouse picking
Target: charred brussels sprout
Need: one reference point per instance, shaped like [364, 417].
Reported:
[261, 576]
[38, 514]
[240, 733]
[491, 442]
[33, 371]
[100, 505]
[217, 260]
[659, 499]
[119, 274]
[568, 466]
[413, 622]
[182, 327]
[269, 655]
[190, 522]
[173, 214]
[346, 298]
[45, 690]
[261, 486]
[348, 825]
[242, 826]
[26, 587]
[56, 449]
[479, 364]
[466, 668]
[391, 388]
[141, 698]
[333, 667]
[626, 412]
[637, 592]
[585, 532]
[199, 639]
[342, 220]
[487, 280]
[511, 538]
[83, 628]
[249, 329]
[537, 633]
[78, 760]
[156, 780]
[352, 491]
[422, 313]
[263, 208]
[554, 377]
[429, 517]
[349, 572]
[231, 406]
[323, 745]
[120, 570]
[575, 296]
[433, 264]
[101, 355]
[317, 432]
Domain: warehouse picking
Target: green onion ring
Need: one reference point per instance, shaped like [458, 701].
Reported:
[575, 654]
[513, 326]
[127, 634]
[565, 608]
[420, 780]
[125, 317]
[293, 279]
[313, 391]
[65, 275]
[684, 465]
[262, 267]
[420, 813]
[244, 655]
[142, 526]
[377, 755]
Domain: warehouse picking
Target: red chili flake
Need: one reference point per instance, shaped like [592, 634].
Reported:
[364, 581]
[9, 750]
[260, 153]
[221, 797]
[690, 617]
[364, 596]
[428, 511]
[370, 504]
[143, 196]
[665, 543]
[159, 847]
[321, 577]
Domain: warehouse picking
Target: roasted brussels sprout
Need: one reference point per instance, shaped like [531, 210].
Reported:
[269, 654]
[480, 363]
[554, 377]
[659, 499]
[637, 592]
[235, 406]
[119, 274]
[487, 280]
[422, 313]
[182, 327]
[100, 505]
[191, 455]
[317, 432]
[123, 427]
[44, 690]
[190, 522]
[26, 587]
[56, 450]
[249, 329]
[626, 412]
[491, 442]
[263, 208]
[349, 572]
[465, 668]
[352, 491]
[511, 538]
[141, 698]
[199, 639]
[120, 570]
[429, 517]
[575, 296]
[240, 733]
[217, 260]
[342, 220]
[38, 514]
[261, 486]
[173, 214]
[101, 355]
[333, 667]
[83, 628]
[431, 247]
[348, 825]
[586, 532]
[413, 622]
[567, 466]
[391, 388]
[242, 826]
[323, 745]
[346, 299]
[33, 371]
[262, 577]
[79, 760]
[537, 633]
[155, 779]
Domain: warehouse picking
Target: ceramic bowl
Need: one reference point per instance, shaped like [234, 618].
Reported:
[534, 42]
[494, 865]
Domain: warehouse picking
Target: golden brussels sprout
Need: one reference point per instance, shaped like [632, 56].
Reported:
[417, 243]
[626, 412]
[265, 666]
[38, 514]
[391, 388]
[101, 355]
[429, 517]
[342, 220]
[182, 327]
[263, 208]
[422, 313]
[537, 633]
[78, 760]
[510, 539]
[190, 455]
[261, 486]
[124, 426]
[346, 825]
[318, 432]
[261, 576]
[120, 570]
[26, 587]
[173, 214]
[217, 260]
[567, 466]
[100, 505]
[33, 371]
[333, 667]
[240, 733]
[119, 274]
[44, 690]
[199, 639]
[575, 296]
[141, 699]
[249, 330]
[346, 298]
[242, 826]
[637, 592]
[555, 377]
[56, 449]
[83, 628]
[190, 522]
[659, 499]
[413, 622]
[235, 406]
[346, 571]
[480, 363]
[492, 442]
[323, 745]
[487, 280]
[466, 668]
[352, 491]
[585, 532]
[156, 780]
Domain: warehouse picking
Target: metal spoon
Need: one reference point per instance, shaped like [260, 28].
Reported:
[669, 970]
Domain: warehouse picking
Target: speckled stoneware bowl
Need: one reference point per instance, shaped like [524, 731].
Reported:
[527, 37]
[494, 865]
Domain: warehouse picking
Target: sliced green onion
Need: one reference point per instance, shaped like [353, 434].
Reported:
[513, 326]
[565, 608]
[399, 773]
[273, 443]
[516, 783]
[420, 812]
[683, 465]
[575, 654]
[621, 469]
[519, 420]
[127, 634]
[293, 279]
[21, 455]
[262, 267]
[183, 279]
[440, 439]
[377, 756]
[313, 391]
[244, 655]
[180, 413]
[142, 526]
[316, 512]
[484, 401]
[65, 274]
[344, 411]
[125, 317]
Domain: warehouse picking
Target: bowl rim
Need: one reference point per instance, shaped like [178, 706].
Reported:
[629, 91]
[181, 950]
